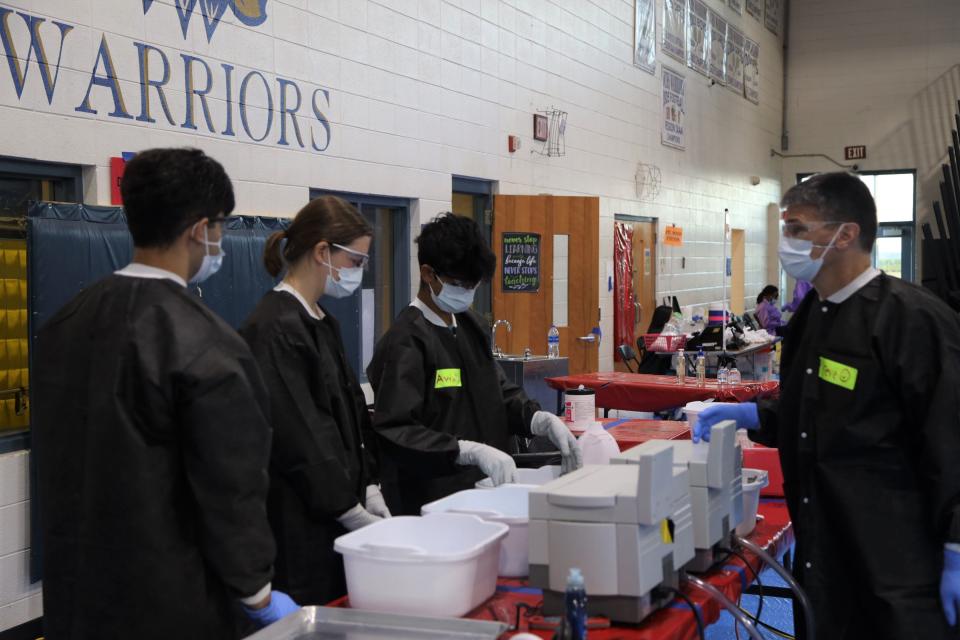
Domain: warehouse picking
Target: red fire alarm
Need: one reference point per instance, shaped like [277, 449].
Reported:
[513, 143]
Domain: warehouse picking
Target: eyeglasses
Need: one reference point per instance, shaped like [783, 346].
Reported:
[463, 284]
[360, 260]
[800, 229]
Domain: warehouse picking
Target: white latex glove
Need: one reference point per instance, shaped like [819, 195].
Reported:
[375, 502]
[495, 463]
[357, 518]
[545, 423]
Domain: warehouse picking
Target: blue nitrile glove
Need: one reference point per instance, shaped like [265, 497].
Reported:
[950, 585]
[281, 605]
[744, 414]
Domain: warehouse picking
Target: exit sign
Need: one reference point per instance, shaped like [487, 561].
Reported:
[855, 153]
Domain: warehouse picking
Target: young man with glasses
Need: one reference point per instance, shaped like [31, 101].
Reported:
[868, 427]
[444, 409]
[151, 433]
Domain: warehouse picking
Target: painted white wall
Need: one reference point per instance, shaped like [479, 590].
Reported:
[419, 90]
[20, 601]
[881, 73]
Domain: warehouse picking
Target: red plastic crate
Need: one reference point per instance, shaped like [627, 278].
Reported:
[660, 342]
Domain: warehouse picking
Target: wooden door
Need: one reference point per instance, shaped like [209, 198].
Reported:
[736, 271]
[559, 221]
[645, 270]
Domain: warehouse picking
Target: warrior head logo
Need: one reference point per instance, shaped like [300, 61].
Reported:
[249, 12]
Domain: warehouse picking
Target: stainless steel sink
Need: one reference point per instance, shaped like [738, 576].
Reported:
[521, 358]
[530, 372]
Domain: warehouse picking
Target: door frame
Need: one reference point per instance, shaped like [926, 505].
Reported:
[24, 168]
[401, 257]
[627, 217]
[483, 191]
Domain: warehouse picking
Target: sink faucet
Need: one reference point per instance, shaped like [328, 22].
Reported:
[493, 336]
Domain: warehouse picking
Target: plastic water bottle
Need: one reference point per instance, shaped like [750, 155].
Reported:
[553, 342]
[681, 367]
[701, 369]
[722, 376]
[733, 377]
[575, 605]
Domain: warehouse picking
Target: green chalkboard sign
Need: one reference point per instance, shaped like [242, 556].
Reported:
[521, 262]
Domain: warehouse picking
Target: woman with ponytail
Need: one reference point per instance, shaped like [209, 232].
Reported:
[322, 469]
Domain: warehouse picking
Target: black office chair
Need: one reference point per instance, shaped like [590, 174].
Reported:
[627, 354]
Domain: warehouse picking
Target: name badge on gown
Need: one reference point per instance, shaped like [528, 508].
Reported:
[447, 378]
[838, 373]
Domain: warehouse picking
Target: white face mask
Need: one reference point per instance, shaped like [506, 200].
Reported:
[211, 263]
[349, 282]
[453, 299]
[795, 256]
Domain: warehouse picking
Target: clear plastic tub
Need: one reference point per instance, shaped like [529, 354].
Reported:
[509, 504]
[753, 481]
[441, 565]
[535, 477]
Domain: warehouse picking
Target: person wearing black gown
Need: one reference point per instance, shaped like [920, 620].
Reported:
[868, 427]
[322, 468]
[444, 409]
[151, 435]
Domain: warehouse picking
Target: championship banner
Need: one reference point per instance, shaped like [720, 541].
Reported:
[645, 36]
[675, 29]
[674, 88]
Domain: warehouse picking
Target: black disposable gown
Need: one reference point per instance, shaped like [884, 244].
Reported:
[868, 427]
[419, 418]
[151, 439]
[320, 465]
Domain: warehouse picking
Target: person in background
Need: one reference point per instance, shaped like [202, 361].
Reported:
[151, 433]
[867, 425]
[444, 409]
[322, 472]
[800, 290]
[767, 312]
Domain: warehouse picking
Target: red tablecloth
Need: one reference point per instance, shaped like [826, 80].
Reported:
[645, 392]
[760, 457]
[676, 622]
[631, 433]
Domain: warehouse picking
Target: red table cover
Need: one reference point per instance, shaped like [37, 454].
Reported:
[774, 533]
[630, 433]
[646, 392]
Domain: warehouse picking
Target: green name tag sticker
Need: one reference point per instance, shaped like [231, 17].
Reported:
[447, 378]
[838, 374]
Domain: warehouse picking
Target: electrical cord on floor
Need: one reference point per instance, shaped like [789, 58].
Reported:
[778, 632]
[756, 618]
[693, 607]
[756, 576]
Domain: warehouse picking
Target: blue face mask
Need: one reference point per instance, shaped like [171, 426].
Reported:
[350, 280]
[453, 299]
[211, 263]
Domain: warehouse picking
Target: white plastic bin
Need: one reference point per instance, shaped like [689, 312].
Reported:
[535, 477]
[509, 504]
[753, 481]
[442, 565]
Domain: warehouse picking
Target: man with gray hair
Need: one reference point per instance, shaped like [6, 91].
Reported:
[867, 424]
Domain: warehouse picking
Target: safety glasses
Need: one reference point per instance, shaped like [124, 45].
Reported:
[359, 259]
[801, 229]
